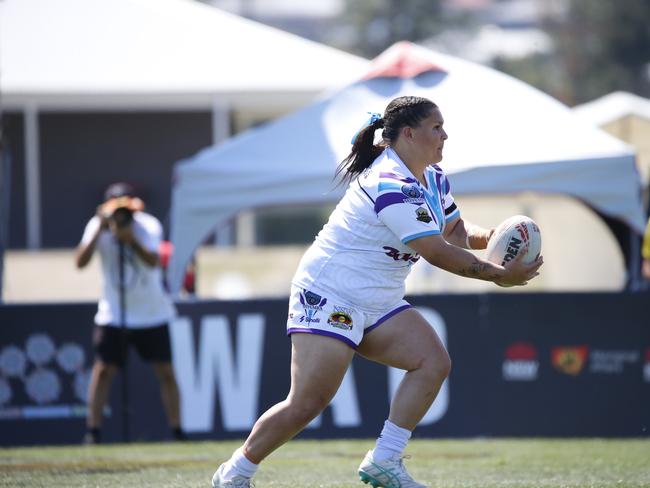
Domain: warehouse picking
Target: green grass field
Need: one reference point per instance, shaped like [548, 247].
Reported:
[484, 463]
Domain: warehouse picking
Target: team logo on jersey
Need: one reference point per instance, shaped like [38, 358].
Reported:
[413, 194]
[312, 304]
[422, 215]
[411, 191]
[341, 318]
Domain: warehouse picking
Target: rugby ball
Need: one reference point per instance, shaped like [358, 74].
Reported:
[518, 234]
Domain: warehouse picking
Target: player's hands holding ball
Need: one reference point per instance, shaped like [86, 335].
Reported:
[518, 273]
[516, 245]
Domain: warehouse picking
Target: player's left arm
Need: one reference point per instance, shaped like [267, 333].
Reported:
[459, 231]
[462, 233]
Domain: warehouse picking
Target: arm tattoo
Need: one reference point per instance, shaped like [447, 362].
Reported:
[478, 269]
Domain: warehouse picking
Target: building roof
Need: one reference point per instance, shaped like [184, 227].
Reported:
[612, 107]
[71, 50]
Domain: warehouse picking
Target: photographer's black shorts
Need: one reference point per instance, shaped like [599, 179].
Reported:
[152, 343]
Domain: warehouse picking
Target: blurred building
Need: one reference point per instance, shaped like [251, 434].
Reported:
[95, 91]
[505, 29]
[311, 20]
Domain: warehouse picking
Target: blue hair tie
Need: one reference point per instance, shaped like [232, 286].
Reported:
[374, 117]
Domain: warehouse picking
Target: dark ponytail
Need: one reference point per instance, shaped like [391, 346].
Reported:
[364, 151]
[400, 112]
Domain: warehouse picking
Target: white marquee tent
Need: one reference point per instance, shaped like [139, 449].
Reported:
[504, 137]
[97, 53]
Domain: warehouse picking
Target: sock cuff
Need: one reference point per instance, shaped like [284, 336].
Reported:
[396, 429]
[245, 459]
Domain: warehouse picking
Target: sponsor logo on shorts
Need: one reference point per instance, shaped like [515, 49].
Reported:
[304, 318]
[520, 362]
[422, 215]
[312, 304]
[569, 360]
[341, 318]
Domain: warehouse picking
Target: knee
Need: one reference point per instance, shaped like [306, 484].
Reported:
[444, 366]
[437, 366]
[304, 410]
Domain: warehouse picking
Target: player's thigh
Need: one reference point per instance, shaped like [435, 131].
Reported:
[318, 365]
[404, 341]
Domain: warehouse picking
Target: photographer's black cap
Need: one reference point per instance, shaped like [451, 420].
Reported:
[120, 189]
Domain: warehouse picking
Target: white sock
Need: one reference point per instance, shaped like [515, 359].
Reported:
[239, 465]
[391, 442]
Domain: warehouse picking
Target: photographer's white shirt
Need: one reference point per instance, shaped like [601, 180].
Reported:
[147, 302]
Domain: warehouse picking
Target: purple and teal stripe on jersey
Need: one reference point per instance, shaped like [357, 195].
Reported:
[444, 188]
[395, 176]
[388, 199]
[389, 185]
[391, 190]
[432, 232]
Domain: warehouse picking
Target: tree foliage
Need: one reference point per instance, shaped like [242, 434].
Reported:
[373, 25]
[600, 46]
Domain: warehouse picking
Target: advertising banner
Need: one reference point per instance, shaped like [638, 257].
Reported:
[522, 365]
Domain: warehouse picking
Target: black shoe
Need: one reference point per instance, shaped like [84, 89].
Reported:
[178, 434]
[91, 437]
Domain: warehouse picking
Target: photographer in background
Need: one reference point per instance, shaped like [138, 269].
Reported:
[121, 227]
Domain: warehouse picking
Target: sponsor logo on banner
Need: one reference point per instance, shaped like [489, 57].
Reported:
[569, 359]
[612, 362]
[646, 366]
[520, 362]
[43, 379]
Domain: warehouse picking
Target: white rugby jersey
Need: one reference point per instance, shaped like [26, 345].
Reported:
[361, 254]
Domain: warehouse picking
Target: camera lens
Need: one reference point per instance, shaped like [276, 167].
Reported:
[122, 217]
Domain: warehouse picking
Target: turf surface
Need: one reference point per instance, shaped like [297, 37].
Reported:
[485, 463]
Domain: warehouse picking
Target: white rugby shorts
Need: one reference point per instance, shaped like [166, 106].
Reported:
[315, 312]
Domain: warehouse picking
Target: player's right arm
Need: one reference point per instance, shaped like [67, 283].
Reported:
[437, 251]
